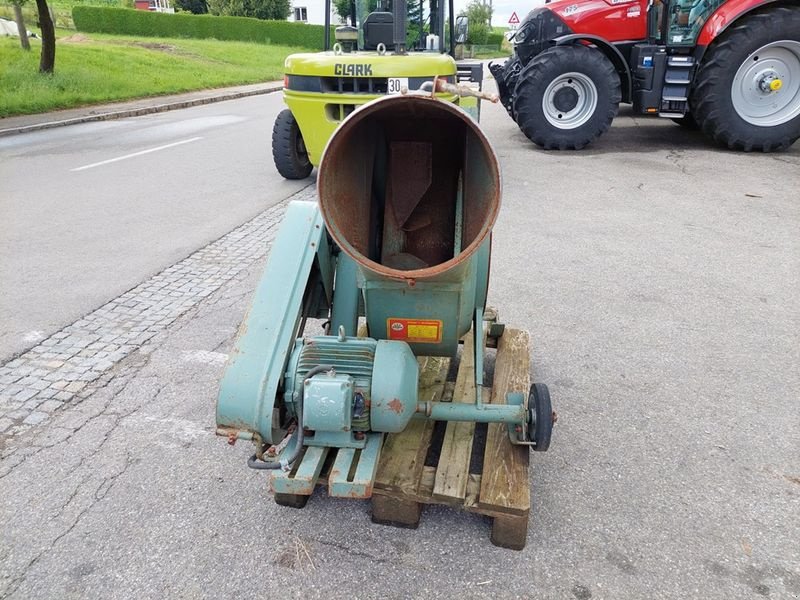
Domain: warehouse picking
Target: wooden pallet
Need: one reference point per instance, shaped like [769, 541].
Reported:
[501, 487]
[463, 465]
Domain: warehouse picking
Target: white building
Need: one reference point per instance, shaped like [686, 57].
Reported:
[311, 11]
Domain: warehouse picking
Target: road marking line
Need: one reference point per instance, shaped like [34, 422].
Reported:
[140, 153]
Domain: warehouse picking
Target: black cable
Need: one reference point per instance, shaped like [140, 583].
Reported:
[253, 461]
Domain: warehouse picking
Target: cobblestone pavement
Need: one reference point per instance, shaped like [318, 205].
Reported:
[60, 369]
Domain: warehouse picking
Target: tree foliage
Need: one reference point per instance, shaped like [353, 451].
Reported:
[415, 8]
[344, 8]
[269, 10]
[480, 17]
[197, 7]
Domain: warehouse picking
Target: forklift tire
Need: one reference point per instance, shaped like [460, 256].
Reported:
[541, 426]
[746, 94]
[288, 149]
[566, 97]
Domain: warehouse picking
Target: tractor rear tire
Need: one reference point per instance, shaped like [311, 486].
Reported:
[731, 98]
[566, 97]
[288, 149]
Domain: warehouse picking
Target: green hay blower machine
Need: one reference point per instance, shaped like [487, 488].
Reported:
[373, 57]
[401, 238]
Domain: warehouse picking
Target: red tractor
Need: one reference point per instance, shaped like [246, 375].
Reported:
[730, 67]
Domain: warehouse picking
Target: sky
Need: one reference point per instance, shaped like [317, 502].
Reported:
[503, 9]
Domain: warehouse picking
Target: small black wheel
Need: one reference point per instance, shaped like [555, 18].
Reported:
[291, 500]
[746, 94]
[288, 149]
[540, 427]
[566, 97]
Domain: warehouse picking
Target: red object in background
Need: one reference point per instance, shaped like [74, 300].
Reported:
[723, 17]
[142, 4]
[608, 19]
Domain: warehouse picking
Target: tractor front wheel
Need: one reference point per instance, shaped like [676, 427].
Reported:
[566, 97]
[288, 149]
[747, 92]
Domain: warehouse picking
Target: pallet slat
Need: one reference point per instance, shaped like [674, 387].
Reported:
[505, 485]
[453, 471]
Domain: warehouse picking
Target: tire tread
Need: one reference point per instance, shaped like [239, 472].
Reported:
[533, 77]
[710, 97]
[289, 164]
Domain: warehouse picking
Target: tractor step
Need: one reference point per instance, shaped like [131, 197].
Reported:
[464, 465]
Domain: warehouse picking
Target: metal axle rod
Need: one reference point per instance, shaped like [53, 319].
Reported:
[485, 413]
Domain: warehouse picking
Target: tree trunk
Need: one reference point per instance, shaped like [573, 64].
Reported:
[23, 32]
[48, 60]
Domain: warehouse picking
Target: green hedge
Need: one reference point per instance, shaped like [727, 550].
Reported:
[123, 21]
[494, 39]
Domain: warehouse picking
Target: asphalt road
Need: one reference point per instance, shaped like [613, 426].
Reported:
[91, 210]
[659, 278]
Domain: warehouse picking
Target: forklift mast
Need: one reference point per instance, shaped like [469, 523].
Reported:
[437, 20]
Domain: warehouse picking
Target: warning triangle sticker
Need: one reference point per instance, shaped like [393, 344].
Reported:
[514, 20]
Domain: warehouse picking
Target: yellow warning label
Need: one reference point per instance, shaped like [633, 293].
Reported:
[414, 330]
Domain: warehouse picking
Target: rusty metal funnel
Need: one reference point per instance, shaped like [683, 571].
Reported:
[409, 187]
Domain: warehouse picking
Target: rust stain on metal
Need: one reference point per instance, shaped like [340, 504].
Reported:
[396, 406]
[456, 145]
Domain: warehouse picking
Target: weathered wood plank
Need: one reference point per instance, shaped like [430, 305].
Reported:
[470, 502]
[403, 455]
[505, 485]
[510, 532]
[453, 470]
[399, 512]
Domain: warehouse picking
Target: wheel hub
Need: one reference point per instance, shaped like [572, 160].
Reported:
[565, 99]
[570, 100]
[769, 82]
[766, 88]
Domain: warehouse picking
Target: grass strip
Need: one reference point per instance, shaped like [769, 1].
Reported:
[96, 68]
